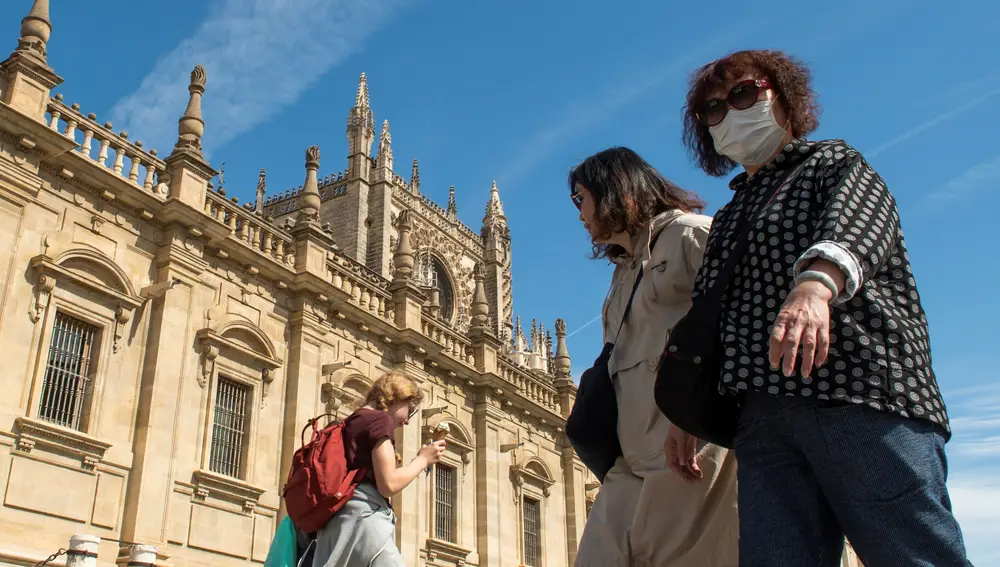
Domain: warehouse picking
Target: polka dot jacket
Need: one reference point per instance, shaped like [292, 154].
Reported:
[836, 208]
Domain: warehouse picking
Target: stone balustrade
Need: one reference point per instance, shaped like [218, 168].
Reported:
[368, 290]
[259, 234]
[456, 345]
[529, 386]
[115, 152]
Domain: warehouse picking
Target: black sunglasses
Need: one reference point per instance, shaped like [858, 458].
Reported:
[742, 96]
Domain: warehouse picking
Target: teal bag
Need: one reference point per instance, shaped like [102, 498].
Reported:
[284, 547]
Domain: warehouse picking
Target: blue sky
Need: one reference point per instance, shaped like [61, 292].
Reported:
[521, 91]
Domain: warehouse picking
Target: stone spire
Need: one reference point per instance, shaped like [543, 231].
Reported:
[494, 208]
[480, 306]
[415, 178]
[261, 192]
[383, 163]
[309, 201]
[35, 31]
[402, 260]
[452, 207]
[191, 127]
[561, 359]
[360, 132]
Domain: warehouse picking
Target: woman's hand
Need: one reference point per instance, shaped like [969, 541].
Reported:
[681, 450]
[432, 452]
[804, 320]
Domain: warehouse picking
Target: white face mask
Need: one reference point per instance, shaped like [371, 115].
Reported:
[748, 137]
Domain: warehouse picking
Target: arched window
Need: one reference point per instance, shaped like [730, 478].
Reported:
[446, 297]
[432, 274]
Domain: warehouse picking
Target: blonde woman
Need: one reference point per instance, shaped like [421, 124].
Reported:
[362, 533]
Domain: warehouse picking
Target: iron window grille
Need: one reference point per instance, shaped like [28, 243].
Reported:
[66, 388]
[445, 502]
[229, 429]
[532, 511]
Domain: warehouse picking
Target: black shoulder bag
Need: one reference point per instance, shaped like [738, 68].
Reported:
[687, 381]
[592, 425]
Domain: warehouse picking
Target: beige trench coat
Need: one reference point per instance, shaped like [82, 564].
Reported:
[644, 514]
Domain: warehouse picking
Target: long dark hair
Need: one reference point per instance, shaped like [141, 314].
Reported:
[628, 193]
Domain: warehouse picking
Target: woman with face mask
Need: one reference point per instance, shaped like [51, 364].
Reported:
[645, 514]
[842, 426]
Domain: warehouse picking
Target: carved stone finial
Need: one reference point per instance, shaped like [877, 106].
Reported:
[415, 178]
[480, 306]
[191, 126]
[309, 200]
[261, 192]
[35, 30]
[402, 260]
[452, 207]
[384, 159]
[561, 359]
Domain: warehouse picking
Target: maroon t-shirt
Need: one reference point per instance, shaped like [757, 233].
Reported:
[363, 430]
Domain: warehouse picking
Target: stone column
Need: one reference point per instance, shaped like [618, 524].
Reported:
[82, 551]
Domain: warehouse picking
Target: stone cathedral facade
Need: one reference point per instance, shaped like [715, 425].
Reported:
[164, 344]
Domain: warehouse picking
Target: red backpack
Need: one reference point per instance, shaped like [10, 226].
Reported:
[319, 483]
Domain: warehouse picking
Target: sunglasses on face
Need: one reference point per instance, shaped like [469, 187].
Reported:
[577, 199]
[413, 413]
[742, 96]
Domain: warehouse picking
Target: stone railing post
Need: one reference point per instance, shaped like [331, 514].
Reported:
[82, 551]
[138, 556]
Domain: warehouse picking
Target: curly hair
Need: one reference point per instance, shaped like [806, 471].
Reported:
[628, 193]
[790, 79]
[393, 387]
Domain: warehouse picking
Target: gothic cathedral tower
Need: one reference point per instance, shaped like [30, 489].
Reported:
[496, 243]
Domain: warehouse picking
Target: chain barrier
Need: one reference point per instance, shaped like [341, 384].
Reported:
[50, 558]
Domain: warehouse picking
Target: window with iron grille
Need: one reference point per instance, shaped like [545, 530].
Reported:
[532, 512]
[229, 429]
[445, 499]
[66, 387]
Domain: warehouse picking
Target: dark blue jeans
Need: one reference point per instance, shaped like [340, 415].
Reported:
[811, 472]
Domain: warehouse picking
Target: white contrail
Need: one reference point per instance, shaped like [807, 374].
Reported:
[260, 56]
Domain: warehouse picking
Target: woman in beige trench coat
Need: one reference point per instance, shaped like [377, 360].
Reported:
[645, 514]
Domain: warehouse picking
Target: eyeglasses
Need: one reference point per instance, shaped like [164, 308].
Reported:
[577, 199]
[413, 413]
[742, 96]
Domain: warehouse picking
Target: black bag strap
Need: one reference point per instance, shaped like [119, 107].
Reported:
[635, 286]
[713, 295]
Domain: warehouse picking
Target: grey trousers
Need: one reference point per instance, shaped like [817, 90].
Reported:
[362, 534]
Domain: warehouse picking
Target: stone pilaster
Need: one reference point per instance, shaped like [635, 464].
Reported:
[491, 527]
[173, 319]
[576, 516]
[303, 376]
